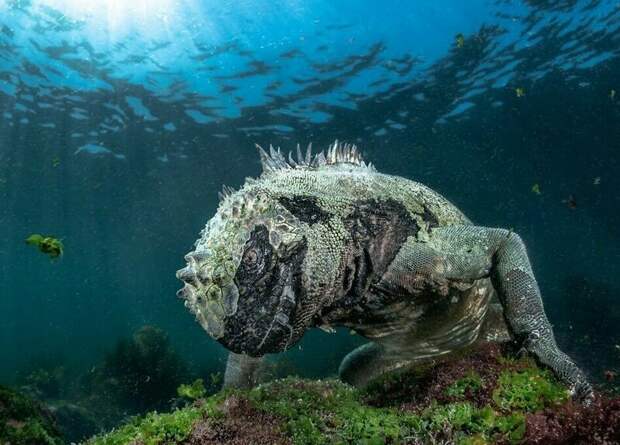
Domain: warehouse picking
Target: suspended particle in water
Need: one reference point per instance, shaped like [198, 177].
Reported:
[570, 202]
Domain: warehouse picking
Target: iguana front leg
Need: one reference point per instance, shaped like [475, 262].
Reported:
[467, 253]
[242, 371]
[518, 291]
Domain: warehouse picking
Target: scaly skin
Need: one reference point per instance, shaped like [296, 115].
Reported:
[328, 241]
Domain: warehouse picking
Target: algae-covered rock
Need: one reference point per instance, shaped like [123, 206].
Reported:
[484, 397]
[25, 422]
[143, 373]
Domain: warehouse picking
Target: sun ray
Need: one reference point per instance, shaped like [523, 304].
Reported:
[119, 18]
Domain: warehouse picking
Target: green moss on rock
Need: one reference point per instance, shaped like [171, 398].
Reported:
[192, 391]
[25, 422]
[530, 389]
[486, 400]
[153, 429]
[165, 428]
[472, 382]
[319, 412]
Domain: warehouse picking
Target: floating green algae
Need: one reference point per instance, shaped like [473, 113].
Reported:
[48, 245]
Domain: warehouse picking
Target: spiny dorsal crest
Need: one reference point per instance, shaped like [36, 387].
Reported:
[226, 192]
[337, 153]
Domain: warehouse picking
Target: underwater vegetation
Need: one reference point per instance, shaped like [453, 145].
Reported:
[482, 398]
[43, 382]
[144, 372]
[140, 374]
[192, 391]
[25, 422]
[46, 244]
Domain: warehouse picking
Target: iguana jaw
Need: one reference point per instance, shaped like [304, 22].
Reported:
[267, 316]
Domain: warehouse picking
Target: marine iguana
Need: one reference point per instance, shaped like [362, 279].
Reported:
[326, 240]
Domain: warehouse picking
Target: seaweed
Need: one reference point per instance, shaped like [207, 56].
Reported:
[531, 389]
[47, 244]
[25, 422]
[153, 429]
[192, 391]
[44, 382]
[483, 397]
[144, 372]
[469, 384]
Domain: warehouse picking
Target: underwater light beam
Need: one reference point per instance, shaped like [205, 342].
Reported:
[119, 16]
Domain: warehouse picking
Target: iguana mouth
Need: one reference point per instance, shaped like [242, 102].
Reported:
[278, 336]
[281, 332]
[212, 301]
[256, 330]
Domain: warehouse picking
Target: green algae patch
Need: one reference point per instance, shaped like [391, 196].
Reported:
[25, 422]
[530, 389]
[192, 391]
[474, 400]
[331, 412]
[153, 429]
[320, 412]
[463, 423]
[158, 429]
[471, 383]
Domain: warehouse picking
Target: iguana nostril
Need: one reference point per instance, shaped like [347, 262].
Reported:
[182, 273]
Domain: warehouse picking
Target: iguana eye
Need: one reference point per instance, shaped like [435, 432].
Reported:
[250, 258]
[257, 257]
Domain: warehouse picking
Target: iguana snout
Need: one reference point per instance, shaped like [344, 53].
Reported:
[244, 279]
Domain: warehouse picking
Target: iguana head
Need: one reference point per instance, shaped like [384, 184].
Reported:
[249, 281]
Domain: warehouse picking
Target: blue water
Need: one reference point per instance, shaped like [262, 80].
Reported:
[120, 122]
